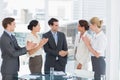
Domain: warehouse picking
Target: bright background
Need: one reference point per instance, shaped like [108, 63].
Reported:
[68, 12]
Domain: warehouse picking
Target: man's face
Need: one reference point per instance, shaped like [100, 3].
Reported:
[55, 26]
[12, 26]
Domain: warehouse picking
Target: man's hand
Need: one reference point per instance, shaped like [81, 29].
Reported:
[79, 66]
[63, 53]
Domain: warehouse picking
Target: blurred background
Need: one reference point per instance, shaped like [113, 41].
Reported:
[68, 12]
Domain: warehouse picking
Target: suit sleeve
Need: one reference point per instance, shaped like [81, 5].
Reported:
[15, 52]
[65, 48]
[48, 50]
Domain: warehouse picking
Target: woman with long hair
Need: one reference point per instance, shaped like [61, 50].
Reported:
[97, 47]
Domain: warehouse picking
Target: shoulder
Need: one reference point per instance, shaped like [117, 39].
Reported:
[29, 35]
[61, 33]
[45, 35]
[4, 37]
[89, 35]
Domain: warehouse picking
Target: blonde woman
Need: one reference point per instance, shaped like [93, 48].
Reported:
[97, 47]
[82, 55]
[35, 60]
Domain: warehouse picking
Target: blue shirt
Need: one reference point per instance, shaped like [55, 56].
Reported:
[55, 36]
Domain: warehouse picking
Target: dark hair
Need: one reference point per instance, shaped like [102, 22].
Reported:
[84, 23]
[50, 22]
[7, 21]
[32, 24]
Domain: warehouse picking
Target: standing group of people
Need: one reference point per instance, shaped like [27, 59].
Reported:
[55, 46]
[91, 47]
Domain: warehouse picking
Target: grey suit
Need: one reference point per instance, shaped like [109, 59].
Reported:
[52, 52]
[10, 55]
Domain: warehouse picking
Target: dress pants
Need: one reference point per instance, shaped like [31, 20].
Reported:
[57, 67]
[99, 67]
[10, 76]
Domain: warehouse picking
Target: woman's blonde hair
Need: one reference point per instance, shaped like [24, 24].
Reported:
[97, 21]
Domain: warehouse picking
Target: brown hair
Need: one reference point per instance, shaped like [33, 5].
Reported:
[32, 24]
[84, 23]
[97, 21]
[52, 20]
[7, 21]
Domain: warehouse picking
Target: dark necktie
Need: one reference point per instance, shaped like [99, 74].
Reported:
[55, 37]
[13, 37]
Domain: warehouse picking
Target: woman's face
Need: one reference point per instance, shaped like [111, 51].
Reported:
[80, 28]
[92, 27]
[37, 28]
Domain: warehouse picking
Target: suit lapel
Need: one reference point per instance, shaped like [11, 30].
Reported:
[59, 39]
[52, 38]
[12, 41]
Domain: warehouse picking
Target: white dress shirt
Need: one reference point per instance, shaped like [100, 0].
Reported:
[34, 39]
[82, 54]
[99, 43]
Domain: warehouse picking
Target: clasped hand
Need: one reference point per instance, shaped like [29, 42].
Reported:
[63, 53]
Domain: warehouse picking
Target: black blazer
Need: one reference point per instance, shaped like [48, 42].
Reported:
[10, 54]
[52, 50]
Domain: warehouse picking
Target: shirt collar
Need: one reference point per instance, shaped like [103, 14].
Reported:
[9, 33]
[53, 32]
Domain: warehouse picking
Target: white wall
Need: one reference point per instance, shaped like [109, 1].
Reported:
[113, 34]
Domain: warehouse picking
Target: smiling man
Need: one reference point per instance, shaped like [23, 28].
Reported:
[56, 48]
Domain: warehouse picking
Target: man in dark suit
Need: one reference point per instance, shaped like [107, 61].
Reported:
[55, 48]
[11, 50]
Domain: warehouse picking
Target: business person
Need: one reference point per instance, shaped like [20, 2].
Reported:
[35, 60]
[11, 50]
[55, 48]
[82, 55]
[97, 47]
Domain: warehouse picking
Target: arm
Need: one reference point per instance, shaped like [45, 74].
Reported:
[75, 44]
[84, 59]
[32, 51]
[42, 42]
[9, 48]
[64, 50]
[87, 42]
[94, 52]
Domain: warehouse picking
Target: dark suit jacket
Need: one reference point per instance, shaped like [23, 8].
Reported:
[52, 51]
[10, 54]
